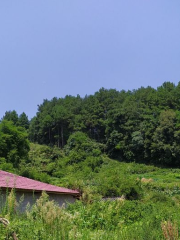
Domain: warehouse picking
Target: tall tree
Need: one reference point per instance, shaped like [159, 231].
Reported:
[166, 139]
[11, 116]
[14, 145]
[23, 121]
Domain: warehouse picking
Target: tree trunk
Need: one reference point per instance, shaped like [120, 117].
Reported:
[58, 138]
[62, 136]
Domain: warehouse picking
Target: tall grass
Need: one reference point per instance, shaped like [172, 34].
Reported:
[98, 220]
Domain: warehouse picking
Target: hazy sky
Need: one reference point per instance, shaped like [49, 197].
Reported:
[54, 48]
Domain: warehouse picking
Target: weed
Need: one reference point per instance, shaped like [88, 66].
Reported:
[170, 230]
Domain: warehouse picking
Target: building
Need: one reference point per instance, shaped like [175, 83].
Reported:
[30, 190]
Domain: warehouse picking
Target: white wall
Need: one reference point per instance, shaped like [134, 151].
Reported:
[30, 198]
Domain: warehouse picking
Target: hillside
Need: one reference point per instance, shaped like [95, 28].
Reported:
[149, 208]
[121, 150]
[142, 125]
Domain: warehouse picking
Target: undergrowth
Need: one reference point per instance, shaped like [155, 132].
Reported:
[120, 219]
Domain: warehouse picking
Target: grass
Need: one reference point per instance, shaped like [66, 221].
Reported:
[150, 211]
[100, 220]
[151, 217]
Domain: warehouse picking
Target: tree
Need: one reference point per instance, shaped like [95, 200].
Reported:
[60, 114]
[14, 145]
[166, 140]
[11, 116]
[23, 121]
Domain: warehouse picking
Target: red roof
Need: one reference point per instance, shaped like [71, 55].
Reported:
[10, 180]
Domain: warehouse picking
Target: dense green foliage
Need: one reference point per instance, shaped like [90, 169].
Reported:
[154, 216]
[21, 120]
[148, 210]
[141, 125]
[14, 145]
[72, 142]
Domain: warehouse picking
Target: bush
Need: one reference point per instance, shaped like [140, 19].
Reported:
[116, 186]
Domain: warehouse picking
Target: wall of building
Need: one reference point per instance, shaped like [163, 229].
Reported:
[29, 198]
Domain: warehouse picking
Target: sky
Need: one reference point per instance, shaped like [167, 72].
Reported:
[68, 47]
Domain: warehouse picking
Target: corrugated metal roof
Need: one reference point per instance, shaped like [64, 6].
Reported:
[10, 180]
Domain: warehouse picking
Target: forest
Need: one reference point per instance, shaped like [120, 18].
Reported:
[123, 144]
[141, 125]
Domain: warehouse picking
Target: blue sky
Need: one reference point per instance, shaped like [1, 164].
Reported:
[68, 47]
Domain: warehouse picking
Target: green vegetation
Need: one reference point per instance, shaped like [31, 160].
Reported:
[149, 208]
[14, 145]
[141, 125]
[151, 213]
[123, 145]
